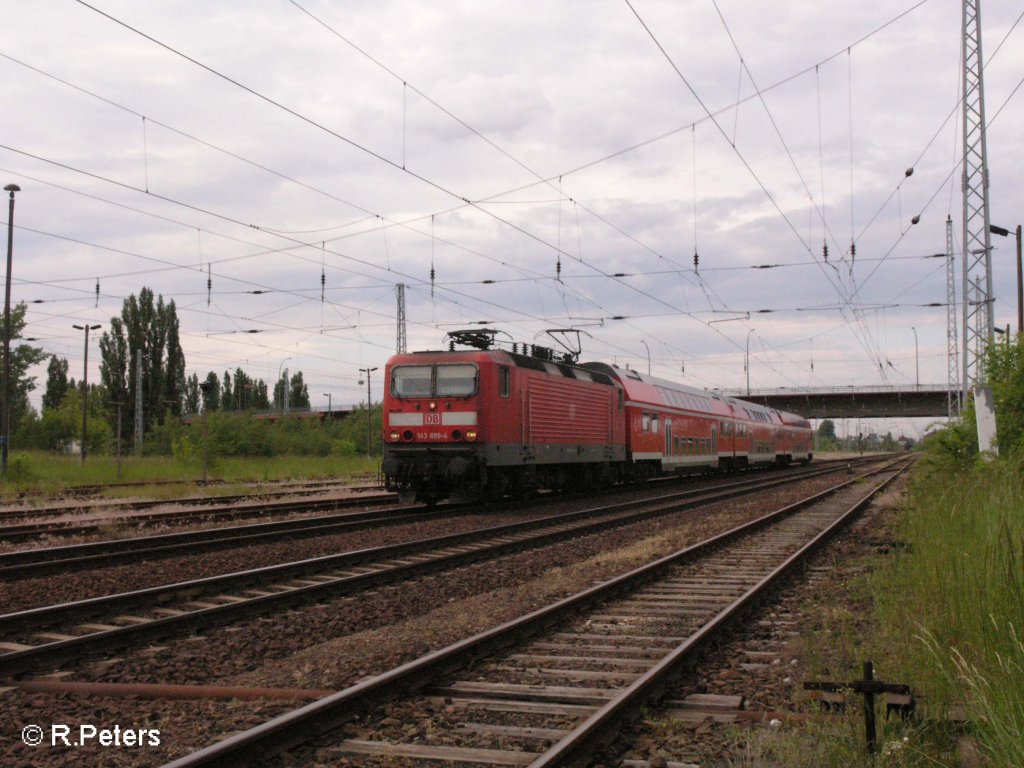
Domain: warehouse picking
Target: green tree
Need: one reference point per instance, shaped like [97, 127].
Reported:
[63, 424]
[149, 328]
[211, 392]
[193, 396]
[827, 430]
[261, 397]
[23, 357]
[56, 382]
[1004, 372]
[299, 393]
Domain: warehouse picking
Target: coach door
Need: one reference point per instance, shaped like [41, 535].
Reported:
[668, 436]
[714, 440]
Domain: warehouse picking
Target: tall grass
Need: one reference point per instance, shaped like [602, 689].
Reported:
[954, 602]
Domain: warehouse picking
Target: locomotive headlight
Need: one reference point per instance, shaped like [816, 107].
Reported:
[471, 434]
[395, 434]
[433, 406]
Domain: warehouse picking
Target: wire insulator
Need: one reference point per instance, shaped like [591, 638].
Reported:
[824, 251]
[558, 268]
[696, 261]
[853, 250]
[97, 291]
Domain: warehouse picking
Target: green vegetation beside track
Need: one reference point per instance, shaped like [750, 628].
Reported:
[41, 472]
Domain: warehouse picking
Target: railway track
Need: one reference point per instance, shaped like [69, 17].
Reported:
[53, 634]
[553, 687]
[221, 508]
[33, 563]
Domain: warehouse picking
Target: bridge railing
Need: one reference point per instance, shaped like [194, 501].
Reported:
[851, 389]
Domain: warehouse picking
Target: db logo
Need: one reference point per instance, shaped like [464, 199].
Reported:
[432, 418]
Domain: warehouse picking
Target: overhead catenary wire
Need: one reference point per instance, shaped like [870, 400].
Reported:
[558, 247]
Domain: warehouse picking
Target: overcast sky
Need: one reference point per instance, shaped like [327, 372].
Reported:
[270, 142]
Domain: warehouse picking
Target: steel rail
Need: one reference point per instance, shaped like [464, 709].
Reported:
[602, 726]
[102, 503]
[201, 511]
[32, 563]
[376, 566]
[300, 725]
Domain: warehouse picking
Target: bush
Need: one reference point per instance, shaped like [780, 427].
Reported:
[20, 471]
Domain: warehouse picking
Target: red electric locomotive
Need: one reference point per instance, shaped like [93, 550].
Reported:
[486, 422]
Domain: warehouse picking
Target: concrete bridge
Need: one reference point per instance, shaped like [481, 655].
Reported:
[853, 401]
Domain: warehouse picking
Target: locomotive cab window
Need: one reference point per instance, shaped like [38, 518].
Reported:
[456, 380]
[433, 381]
[411, 381]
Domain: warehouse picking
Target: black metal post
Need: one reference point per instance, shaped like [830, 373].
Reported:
[5, 412]
[85, 385]
[119, 441]
[1020, 286]
[207, 387]
[869, 709]
[369, 421]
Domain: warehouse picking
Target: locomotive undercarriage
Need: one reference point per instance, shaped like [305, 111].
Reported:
[462, 475]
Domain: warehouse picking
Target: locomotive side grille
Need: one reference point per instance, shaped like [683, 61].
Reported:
[561, 412]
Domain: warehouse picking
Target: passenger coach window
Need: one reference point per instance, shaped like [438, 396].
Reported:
[411, 381]
[456, 380]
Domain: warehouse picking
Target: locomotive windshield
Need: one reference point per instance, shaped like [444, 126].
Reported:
[433, 381]
[456, 380]
[411, 381]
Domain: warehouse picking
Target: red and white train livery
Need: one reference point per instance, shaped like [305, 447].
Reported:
[487, 422]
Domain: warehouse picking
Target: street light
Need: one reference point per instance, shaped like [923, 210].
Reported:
[328, 396]
[5, 438]
[207, 387]
[917, 359]
[648, 356]
[746, 359]
[369, 430]
[1020, 273]
[284, 387]
[85, 384]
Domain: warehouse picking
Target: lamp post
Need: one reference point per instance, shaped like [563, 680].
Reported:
[648, 356]
[369, 429]
[284, 387]
[118, 438]
[5, 438]
[917, 360]
[328, 396]
[1020, 273]
[85, 383]
[207, 387]
[746, 359]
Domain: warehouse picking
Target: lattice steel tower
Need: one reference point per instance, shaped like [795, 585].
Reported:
[953, 372]
[977, 286]
[400, 343]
